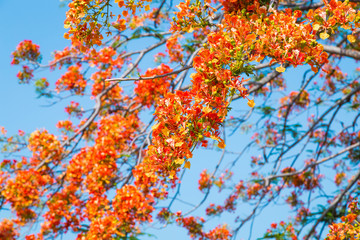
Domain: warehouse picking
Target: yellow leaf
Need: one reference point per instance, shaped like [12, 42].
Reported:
[280, 69]
[155, 126]
[177, 118]
[66, 25]
[179, 161]
[227, 38]
[192, 76]
[147, 8]
[172, 174]
[179, 144]
[347, 27]
[251, 103]
[215, 138]
[190, 30]
[250, 37]
[207, 109]
[187, 165]
[165, 131]
[351, 38]
[222, 144]
[324, 35]
[316, 26]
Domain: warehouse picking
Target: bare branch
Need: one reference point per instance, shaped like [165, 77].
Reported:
[148, 78]
[267, 179]
[342, 52]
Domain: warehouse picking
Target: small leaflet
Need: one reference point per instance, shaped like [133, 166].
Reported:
[251, 103]
[187, 165]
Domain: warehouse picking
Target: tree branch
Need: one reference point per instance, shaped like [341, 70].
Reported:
[342, 52]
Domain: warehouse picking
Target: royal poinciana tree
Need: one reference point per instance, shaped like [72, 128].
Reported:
[166, 78]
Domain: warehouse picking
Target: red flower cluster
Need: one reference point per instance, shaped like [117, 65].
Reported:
[150, 91]
[72, 81]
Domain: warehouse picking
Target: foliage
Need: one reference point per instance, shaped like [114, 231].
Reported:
[107, 174]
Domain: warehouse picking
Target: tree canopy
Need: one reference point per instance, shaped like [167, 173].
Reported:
[168, 78]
